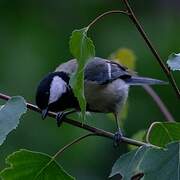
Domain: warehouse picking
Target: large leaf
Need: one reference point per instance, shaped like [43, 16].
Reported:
[174, 61]
[162, 133]
[150, 162]
[10, 114]
[82, 48]
[30, 165]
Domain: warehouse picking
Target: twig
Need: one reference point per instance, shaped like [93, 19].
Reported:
[61, 151]
[153, 50]
[159, 103]
[92, 129]
[71, 143]
[105, 14]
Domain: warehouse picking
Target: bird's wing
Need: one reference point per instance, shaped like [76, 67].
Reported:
[103, 71]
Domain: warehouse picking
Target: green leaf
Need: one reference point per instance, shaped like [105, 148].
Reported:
[152, 163]
[162, 133]
[30, 165]
[140, 136]
[174, 61]
[82, 48]
[10, 114]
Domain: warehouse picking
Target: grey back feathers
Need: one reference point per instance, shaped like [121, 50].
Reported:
[97, 69]
[103, 71]
[68, 67]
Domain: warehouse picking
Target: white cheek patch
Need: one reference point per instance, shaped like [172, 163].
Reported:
[58, 87]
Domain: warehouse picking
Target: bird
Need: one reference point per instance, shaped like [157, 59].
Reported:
[106, 87]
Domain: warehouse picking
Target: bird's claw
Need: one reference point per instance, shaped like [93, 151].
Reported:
[59, 118]
[117, 138]
[61, 115]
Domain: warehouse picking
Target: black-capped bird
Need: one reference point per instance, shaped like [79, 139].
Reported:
[106, 87]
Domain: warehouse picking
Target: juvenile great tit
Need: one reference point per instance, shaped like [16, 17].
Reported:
[106, 86]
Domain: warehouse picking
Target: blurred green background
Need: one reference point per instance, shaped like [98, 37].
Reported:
[34, 39]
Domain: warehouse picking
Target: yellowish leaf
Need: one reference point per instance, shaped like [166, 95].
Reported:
[125, 57]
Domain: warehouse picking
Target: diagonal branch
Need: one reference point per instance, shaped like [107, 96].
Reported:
[151, 47]
[92, 129]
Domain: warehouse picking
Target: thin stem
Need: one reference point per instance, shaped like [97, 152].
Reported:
[159, 103]
[105, 14]
[153, 50]
[61, 151]
[72, 143]
[92, 129]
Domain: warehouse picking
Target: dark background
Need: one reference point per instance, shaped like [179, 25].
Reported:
[34, 39]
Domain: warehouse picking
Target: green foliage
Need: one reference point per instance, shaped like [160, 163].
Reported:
[10, 114]
[162, 133]
[153, 163]
[36, 39]
[174, 61]
[82, 48]
[30, 165]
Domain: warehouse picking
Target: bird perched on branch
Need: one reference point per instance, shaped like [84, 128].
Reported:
[106, 86]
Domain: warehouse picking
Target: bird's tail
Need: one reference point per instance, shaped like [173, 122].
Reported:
[135, 80]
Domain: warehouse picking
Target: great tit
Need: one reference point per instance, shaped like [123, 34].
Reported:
[106, 86]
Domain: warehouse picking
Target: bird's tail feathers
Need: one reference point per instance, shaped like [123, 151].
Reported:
[135, 80]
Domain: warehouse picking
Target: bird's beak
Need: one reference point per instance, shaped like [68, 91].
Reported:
[44, 113]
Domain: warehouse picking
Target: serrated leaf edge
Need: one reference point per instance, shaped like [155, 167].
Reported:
[8, 162]
[22, 113]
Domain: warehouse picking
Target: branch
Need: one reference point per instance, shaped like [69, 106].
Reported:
[92, 129]
[153, 50]
[159, 103]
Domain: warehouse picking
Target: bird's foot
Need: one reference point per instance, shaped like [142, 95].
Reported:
[61, 115]
[117, 138]
[59, 118]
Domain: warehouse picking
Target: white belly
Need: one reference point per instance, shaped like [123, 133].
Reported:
[106, 98]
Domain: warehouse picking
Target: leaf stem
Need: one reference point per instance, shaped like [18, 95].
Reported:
[72, 143]
[105, 14]
[153, 50]
[62, 150]
[92, 129]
